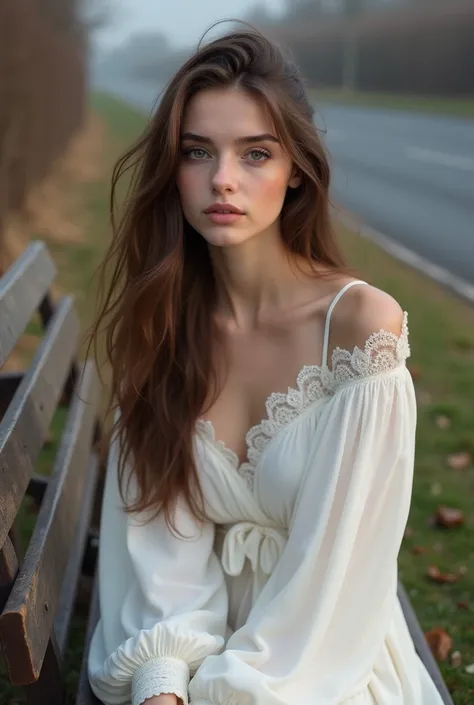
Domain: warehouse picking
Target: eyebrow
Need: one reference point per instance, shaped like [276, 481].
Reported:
[265, 137]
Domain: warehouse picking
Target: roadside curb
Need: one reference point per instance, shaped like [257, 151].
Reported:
[455, 284]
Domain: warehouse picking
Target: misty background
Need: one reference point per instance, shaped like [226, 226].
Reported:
[392, 82]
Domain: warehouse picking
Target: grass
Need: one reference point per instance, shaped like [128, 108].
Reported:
[456, 107]
[442, 363]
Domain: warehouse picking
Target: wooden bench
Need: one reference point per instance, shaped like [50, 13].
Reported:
[37, 591]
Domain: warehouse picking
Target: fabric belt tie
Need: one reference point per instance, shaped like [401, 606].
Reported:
[261, 545]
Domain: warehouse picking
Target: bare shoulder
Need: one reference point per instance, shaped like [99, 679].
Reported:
[362, 311]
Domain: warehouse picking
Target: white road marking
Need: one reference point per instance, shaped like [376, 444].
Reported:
[430, 156]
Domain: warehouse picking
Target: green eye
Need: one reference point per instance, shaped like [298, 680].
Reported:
[196, 153]
[259, 155]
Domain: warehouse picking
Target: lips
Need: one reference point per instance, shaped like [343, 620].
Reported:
[224, 209]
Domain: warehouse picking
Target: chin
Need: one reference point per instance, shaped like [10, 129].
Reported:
[224, 236]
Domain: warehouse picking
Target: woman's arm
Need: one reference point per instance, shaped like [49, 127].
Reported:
[163, 602]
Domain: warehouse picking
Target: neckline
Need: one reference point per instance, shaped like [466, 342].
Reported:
[313, 383]
[294, 395]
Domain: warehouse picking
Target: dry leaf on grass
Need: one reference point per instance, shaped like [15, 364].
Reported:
[418, 550]
[470, 669]
[437, 576]
[436, 489]
[440, 643]
[443, 422]
[459, 461]
[462, 605]
[448, 517]
[408, 532]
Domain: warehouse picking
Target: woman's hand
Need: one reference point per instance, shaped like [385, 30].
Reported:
[163, 699]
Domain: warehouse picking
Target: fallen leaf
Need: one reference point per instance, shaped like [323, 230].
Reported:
[463, 570]
[459, 461]
[462, 605]
[418, 550]
[448, 517]
[443, 422]
[438, 547]
[440, 643]
[456, 659]
[470, 669]
[438, 577]
[408, 532]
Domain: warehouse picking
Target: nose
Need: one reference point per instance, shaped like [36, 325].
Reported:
[224, 178]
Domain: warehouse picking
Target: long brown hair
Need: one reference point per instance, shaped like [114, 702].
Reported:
[156, 308]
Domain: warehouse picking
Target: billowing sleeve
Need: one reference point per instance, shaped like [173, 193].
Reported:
[314, 632]
[163, 602]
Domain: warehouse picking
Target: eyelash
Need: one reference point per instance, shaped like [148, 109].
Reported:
[259, 150]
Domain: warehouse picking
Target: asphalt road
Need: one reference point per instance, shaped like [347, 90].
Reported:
[409, 176]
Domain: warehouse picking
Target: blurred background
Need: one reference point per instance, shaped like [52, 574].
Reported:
[392, 82]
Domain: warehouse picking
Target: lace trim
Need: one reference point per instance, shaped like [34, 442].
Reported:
[161, 675]
[382, 352]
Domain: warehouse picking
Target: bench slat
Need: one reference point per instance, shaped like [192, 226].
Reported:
[22, 289]
[85, 696]
[421, 645]
[73, 569]
[26, 421]
[27, 619]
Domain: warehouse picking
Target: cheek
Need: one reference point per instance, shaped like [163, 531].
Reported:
[271, 185]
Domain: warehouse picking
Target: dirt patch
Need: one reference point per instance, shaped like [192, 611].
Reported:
[55, 211]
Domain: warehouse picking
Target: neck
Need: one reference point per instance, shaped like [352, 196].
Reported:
[255, 279]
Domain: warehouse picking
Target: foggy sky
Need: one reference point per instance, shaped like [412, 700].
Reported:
[184, 21]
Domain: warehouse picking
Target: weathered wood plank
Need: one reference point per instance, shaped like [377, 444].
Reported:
[421, 645]
[73, 569]
[27, 619]
[85, 696]
[27, 419]
[22, 288]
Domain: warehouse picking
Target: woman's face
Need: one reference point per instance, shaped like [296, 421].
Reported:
[231, 160]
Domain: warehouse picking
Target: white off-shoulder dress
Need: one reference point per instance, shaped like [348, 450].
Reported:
[288, 595]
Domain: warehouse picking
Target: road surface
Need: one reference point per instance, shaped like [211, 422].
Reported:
[409, 176]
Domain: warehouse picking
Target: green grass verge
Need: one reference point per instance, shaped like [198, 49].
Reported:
[442, 340]
[455, 107]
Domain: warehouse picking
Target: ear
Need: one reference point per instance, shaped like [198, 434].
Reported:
[295, 179]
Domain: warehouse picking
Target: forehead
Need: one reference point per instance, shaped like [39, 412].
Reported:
[226, 113]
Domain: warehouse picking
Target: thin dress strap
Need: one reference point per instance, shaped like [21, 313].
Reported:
[328, 317]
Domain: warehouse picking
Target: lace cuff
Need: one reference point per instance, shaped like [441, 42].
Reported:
[160, 675]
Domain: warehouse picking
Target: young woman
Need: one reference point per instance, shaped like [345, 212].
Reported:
[260, 475]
